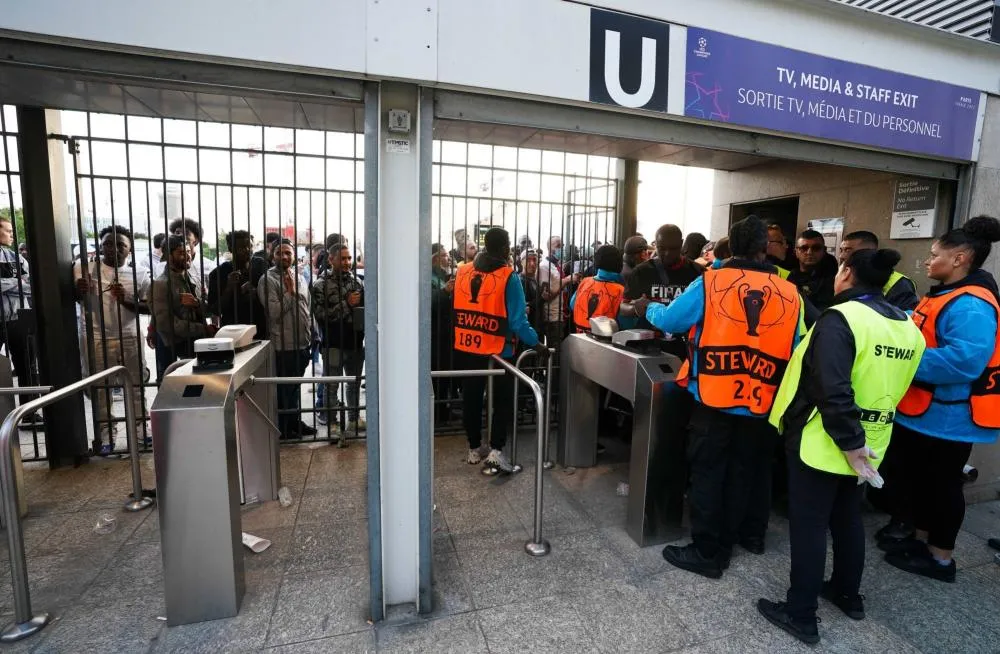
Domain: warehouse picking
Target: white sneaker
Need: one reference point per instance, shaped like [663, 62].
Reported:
[476, 455]
[498, 460]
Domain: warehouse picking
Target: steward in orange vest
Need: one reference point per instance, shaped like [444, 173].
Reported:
[602, 294]
[489, 314]
[743, 322]
[953, 401]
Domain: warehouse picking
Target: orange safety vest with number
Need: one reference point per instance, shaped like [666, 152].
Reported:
[984, 400]
[480, 310]
[596, 298]
[745, 340]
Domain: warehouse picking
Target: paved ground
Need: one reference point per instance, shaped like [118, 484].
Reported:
[596, 592]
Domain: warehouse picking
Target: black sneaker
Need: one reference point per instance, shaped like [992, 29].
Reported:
[895, 530]
[305, 430]
[777, 614]
[852, 606]
[753, 544]
[923, 565]
[905, 546]
[690, 559]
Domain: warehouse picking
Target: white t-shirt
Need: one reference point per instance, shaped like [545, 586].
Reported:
[550, 274]
[123, 276]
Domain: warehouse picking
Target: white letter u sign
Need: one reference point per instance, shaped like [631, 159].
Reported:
[612, 71]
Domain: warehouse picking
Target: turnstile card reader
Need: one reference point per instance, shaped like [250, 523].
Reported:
[213, 447]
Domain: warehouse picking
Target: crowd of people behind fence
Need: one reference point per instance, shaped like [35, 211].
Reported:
[789, 353]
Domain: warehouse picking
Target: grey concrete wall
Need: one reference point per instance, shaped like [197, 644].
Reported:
[863, 198]
[986, 200]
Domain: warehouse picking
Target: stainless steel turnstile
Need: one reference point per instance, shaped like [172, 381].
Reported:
[214, 446]
[644, 380]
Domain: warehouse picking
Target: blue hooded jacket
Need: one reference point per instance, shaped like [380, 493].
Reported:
[966, 335]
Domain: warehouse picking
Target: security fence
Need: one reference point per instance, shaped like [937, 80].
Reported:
[231, 193]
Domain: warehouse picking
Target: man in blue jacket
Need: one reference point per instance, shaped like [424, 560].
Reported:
[489, 314]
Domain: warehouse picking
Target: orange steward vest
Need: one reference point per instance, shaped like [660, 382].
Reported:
[480, 310]
[984, 400]
[596, 298]
[745, 340]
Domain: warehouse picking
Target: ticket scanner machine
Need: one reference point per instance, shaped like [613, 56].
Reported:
[215, 447]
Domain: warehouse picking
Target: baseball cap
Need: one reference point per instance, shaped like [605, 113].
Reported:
[635, 245]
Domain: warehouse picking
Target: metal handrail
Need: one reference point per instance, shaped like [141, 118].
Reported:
[548, 401]
[537, 546]
[26, 623]
[25, 390]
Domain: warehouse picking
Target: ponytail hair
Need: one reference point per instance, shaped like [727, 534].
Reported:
[977, 235]
[872, 267]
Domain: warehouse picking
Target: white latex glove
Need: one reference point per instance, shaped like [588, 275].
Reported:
[860, 462]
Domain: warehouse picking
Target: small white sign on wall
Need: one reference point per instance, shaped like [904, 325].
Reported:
[832, 230]
[397, 146]
[914, 208]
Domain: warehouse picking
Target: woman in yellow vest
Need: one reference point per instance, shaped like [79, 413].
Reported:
[835, 408]
[954, 401]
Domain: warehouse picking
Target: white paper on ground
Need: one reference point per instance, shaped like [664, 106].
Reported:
[256, 545]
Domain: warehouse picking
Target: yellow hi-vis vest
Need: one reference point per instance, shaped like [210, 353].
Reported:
[893, 278]
[886, 355]
[783, 272]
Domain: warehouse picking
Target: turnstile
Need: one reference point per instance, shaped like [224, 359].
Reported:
[647, 382]
[214, 446]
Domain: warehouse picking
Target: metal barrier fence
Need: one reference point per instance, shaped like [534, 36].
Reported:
[212, 181]
[26, 622]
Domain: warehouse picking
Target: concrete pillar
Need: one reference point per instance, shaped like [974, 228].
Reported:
[49, 232]
[400, 247]
[628, 202]
[985, 199]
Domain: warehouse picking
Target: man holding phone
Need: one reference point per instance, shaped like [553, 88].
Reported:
[178, 307]
[336, 296]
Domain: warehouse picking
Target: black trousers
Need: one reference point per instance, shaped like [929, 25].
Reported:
[14, 334]
[818, 501]
[933, 484]
[891, 498]
[289, 363]
[473, 399]
[729, 458]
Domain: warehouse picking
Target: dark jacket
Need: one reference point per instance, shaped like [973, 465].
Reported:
[815, 285]
[236, 307]
[441, 326]
[903, 294]
[332, 312]
[660, 283]
[825, 382]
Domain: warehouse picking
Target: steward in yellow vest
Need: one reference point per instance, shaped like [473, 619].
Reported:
[835, 408]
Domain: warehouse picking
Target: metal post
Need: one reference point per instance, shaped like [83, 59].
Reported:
[25, 622]
[25, 390]
[513, 436]
[138, 501]
[489, 407]
[547, 464]
[537, 546]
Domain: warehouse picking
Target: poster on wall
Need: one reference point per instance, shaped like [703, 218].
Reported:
[914, 208]
[832, 230]
[744, 82]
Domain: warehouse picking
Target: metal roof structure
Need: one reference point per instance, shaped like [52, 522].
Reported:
[972, 18]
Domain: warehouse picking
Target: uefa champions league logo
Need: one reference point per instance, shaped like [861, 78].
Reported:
[702, 50]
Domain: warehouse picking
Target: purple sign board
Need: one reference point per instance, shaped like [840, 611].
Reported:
[744, 82]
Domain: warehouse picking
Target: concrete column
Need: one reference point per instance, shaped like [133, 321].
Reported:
[628, 201]
[49, 231]
[402, 357]
[985, 199]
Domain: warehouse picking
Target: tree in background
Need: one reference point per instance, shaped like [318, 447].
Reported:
[19, 233]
